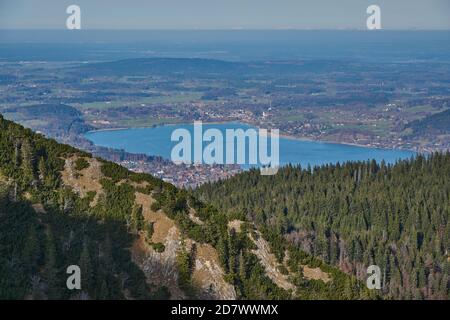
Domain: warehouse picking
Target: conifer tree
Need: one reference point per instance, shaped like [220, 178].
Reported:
[51, 271]
[27, 161]
[86, 267]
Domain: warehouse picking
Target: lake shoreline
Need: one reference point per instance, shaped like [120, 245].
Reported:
[281, 135]
[155, 141]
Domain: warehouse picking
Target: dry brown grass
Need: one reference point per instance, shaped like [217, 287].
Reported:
[270, 263]
[161, 223]
[209, 276]
[159, 268]
[194, 218]
[316, 274]
[207, 273]
[235, 224]
[84, 181]
[3, 178]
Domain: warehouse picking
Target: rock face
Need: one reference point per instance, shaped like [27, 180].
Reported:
[270, 263]
[161, 268]
[83, 181]
[209, 276]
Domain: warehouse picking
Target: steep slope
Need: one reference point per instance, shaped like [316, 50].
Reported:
[353, 216]
[132, 235]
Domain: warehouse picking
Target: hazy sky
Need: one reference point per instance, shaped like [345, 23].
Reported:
[225, 14]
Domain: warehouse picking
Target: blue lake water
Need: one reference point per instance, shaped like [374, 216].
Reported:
[157, 141]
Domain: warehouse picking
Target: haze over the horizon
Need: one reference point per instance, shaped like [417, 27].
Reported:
[225, 14]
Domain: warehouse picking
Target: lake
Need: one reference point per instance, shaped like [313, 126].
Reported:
[156, 141]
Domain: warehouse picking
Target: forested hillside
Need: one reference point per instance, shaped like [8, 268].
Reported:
[134, 236]
[355, 215]
[438, 123]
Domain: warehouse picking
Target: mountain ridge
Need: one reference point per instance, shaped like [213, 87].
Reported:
[133, 235]
[354, 215]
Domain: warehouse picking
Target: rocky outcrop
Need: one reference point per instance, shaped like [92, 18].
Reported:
[270, 263]
[160, 267]
[83, 181]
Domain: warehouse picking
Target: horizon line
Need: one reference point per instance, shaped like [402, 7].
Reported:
[236, 29]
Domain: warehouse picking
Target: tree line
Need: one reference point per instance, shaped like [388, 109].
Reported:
[354, 215]
[38, 243]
